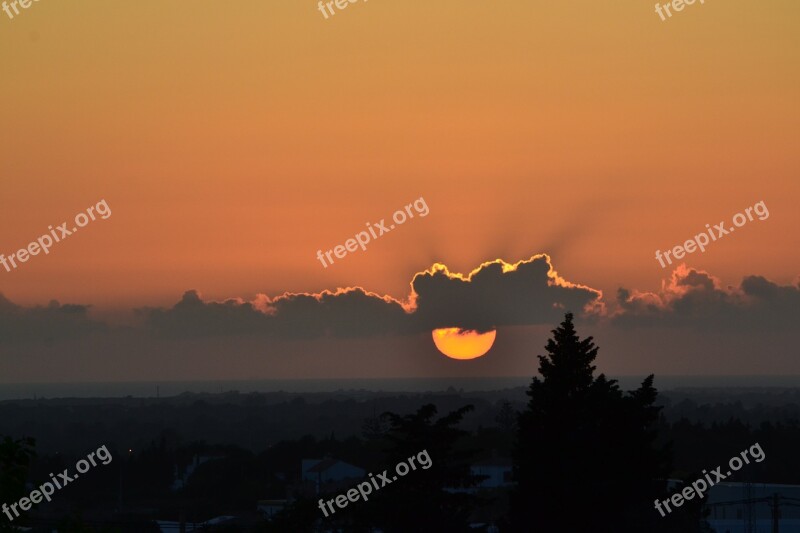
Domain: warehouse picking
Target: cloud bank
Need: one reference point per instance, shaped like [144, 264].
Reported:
[495, 294]
[51, 323]
[695, 299]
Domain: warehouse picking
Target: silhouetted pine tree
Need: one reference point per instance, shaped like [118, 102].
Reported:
[421, 501]
[507, 418]
[15, 460]
[585, 458]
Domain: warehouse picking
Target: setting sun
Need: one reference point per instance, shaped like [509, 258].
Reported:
[463, 344]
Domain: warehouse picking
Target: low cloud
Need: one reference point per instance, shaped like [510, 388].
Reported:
[695, 299]
[51, 323]
[495, 294]
[193, 317]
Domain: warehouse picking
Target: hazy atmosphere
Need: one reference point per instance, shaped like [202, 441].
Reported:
[367, 229]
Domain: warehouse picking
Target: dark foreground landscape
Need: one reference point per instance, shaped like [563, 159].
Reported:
[270, 461]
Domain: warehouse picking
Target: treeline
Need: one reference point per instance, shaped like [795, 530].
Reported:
[579, 442]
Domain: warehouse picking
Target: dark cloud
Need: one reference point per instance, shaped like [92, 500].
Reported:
[695, 299]
[495, 294]
[498, 294]
[192, 317]
[344, 313]
[51, 323]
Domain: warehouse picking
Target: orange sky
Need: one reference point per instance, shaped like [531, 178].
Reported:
[234, 140]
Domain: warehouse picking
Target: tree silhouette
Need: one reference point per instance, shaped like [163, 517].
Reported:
[585, 458]
[15, 460]
[507, 418]
[421, 501]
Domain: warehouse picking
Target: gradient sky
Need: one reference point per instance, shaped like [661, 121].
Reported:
[232, 141]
